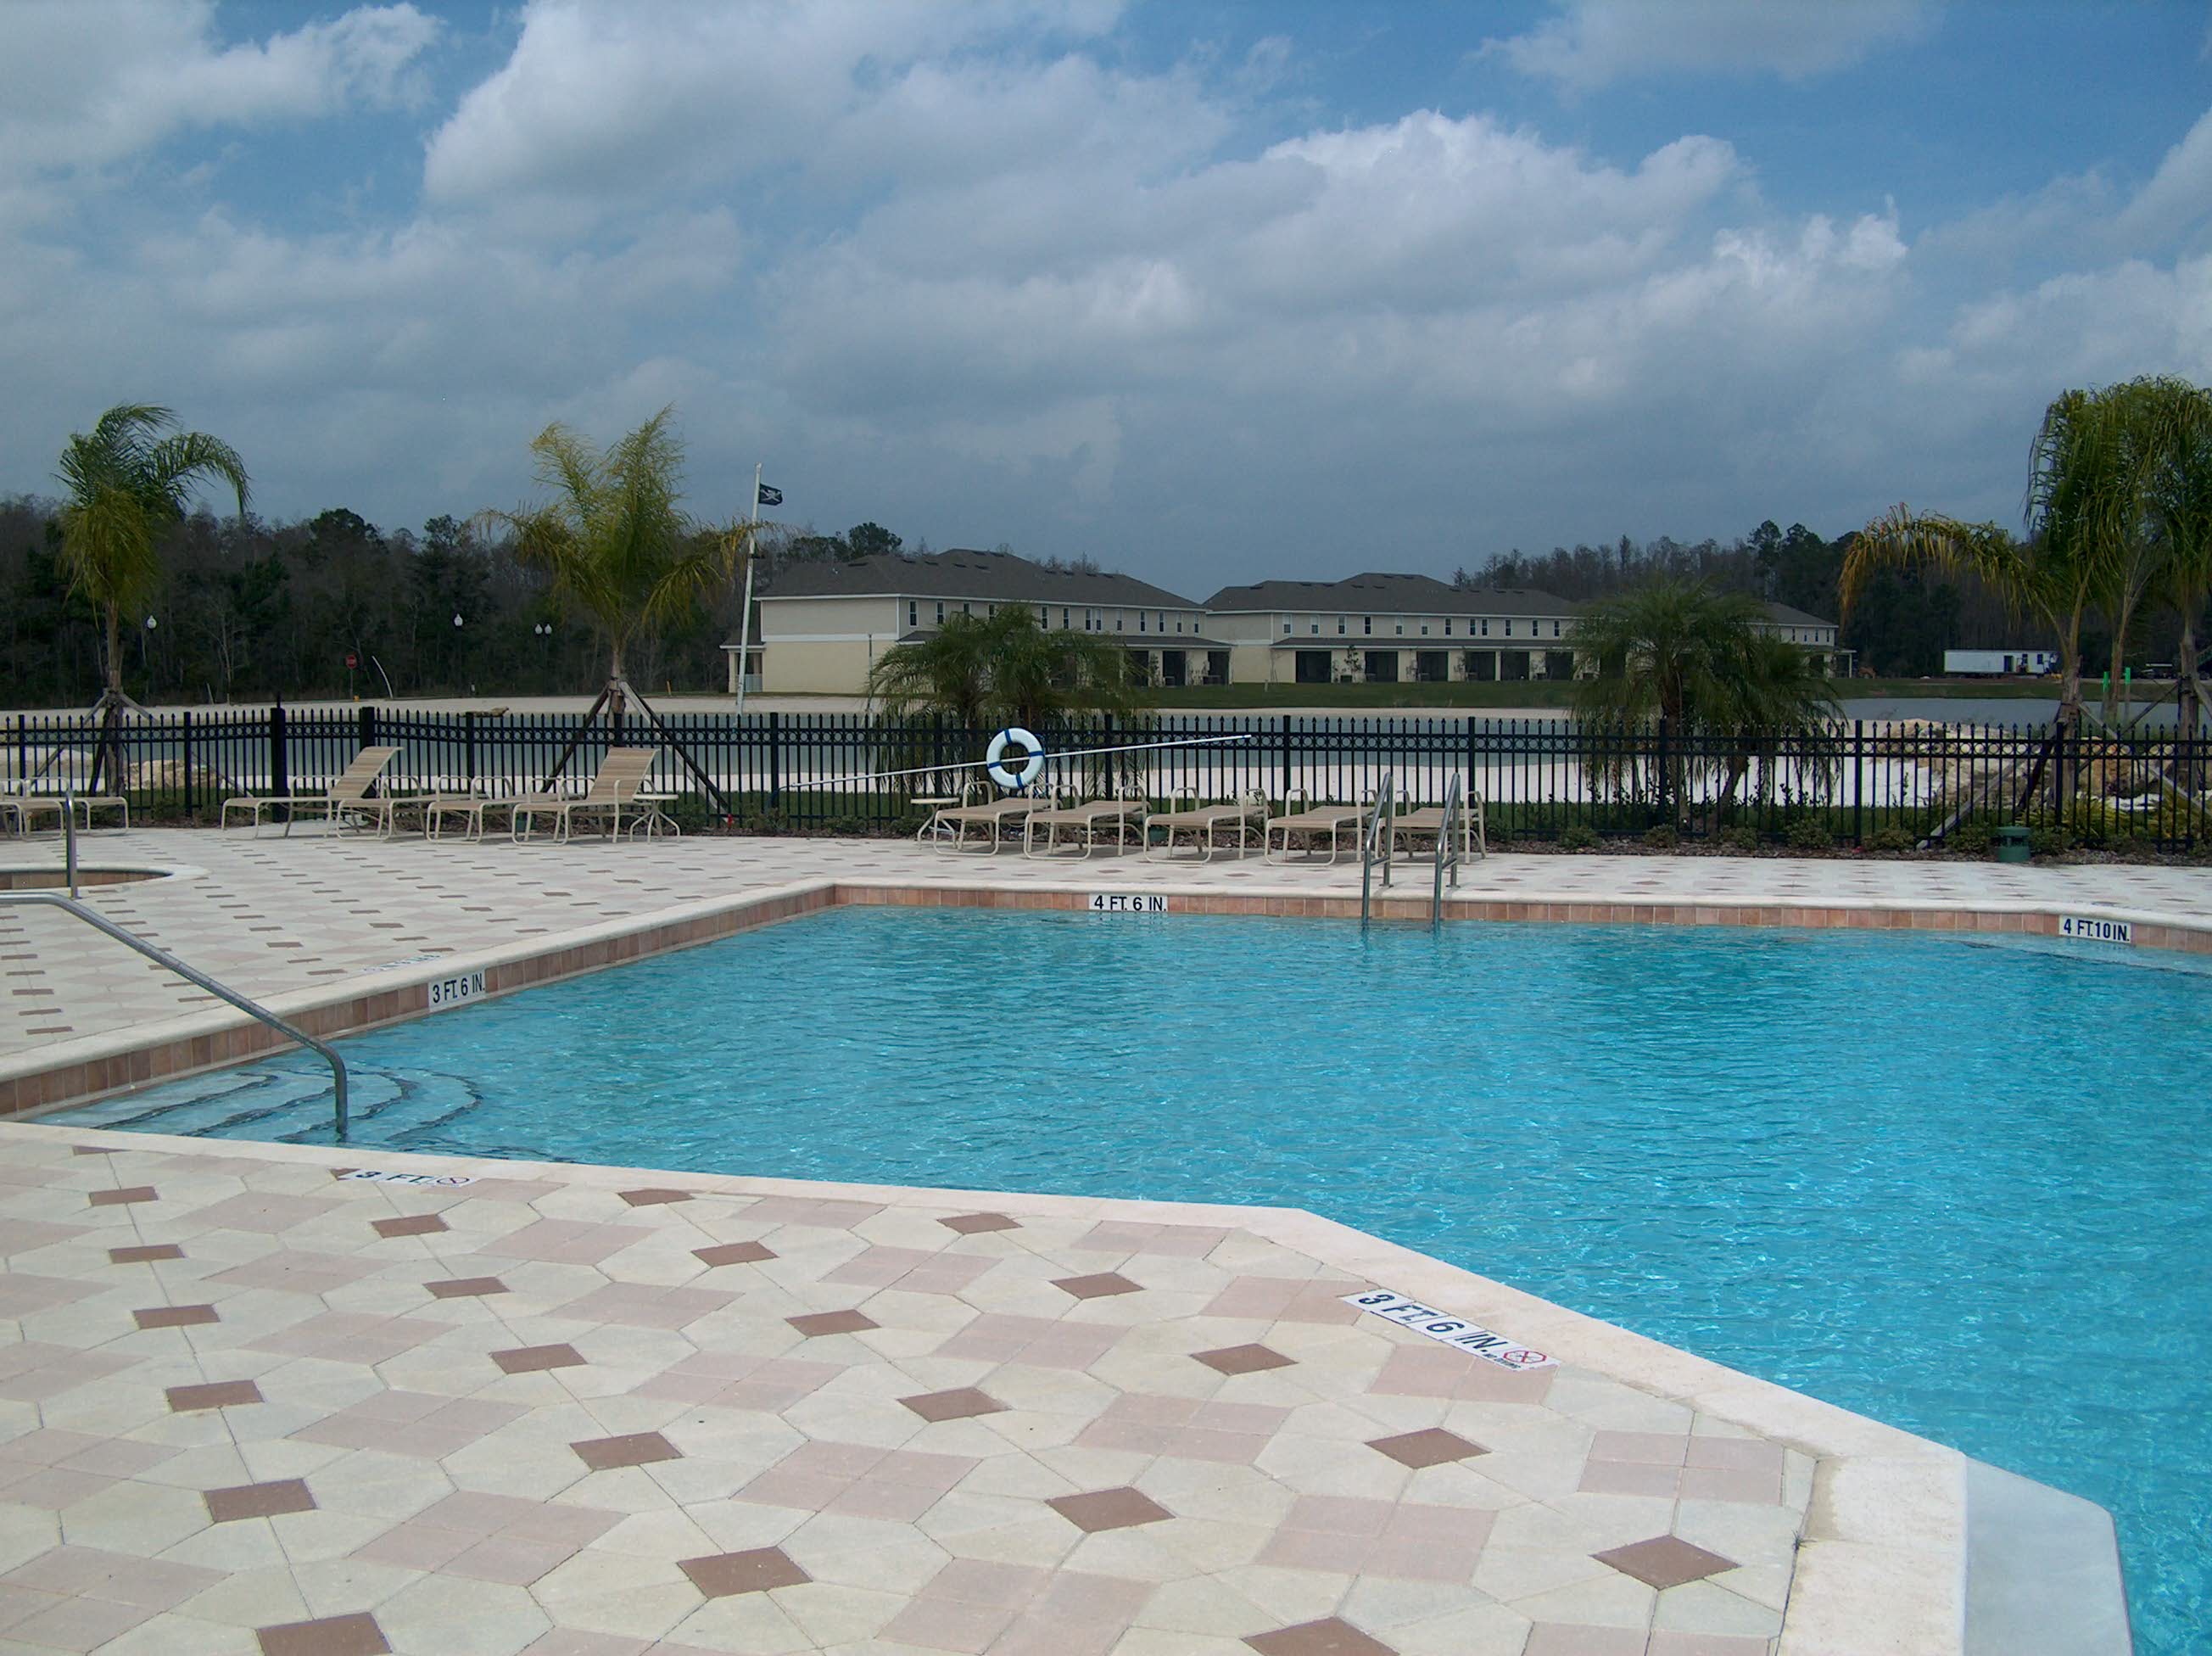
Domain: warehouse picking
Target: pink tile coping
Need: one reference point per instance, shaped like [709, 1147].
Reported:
[115, 1065]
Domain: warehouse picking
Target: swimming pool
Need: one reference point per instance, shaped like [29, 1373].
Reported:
[1959, 1186]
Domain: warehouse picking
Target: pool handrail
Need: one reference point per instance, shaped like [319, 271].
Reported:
[1446, 853]
[162, 957]
[1378, 827]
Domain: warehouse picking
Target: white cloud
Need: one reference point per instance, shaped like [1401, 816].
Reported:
[83, 85]
[1596, 43]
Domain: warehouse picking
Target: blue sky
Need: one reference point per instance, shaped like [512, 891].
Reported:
[1210, 291]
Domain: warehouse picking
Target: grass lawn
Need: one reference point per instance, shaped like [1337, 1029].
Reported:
[1539, 692]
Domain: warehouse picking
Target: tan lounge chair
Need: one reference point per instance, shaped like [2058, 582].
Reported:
[345, 799]
[622, 778]
[1427, 823]
[1341, 822]
[992, 821]
[1084, 822]
[1202, 823]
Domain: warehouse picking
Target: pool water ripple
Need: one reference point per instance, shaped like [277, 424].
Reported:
[1960, 1186]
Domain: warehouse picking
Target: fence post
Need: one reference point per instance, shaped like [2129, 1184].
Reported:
[366, 717]
[191, 797]
[1666, 775]
[774, 762]
[469, 733]
[1286, 761]
[1859, 784]
[280, 758]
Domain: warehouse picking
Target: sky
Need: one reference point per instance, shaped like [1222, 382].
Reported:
[1210, 290]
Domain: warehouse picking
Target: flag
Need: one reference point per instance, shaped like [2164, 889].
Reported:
[770, 496]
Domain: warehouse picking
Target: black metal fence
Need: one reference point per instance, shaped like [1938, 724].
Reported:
[1857, 783]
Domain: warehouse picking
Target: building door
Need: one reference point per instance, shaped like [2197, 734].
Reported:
[1216, 666]
[1140, 666]
[1482, 666]
[1313, 666]
[1513, 664]
[1432, 666]
[1382, 667]
[1559, 664]
[1171, 667]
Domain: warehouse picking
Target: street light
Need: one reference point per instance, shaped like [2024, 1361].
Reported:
[544, 631]
[142, 663]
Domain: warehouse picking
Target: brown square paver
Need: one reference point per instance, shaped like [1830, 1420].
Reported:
[534, 1359]
[258, 1501]
[331, 1635]
[1243, 1359]
[817, 1323]
[956, 1405]
[1109, 1509]
[654, 1198]
[1431, 1446]
[124, 1198]
[971, 1224]
[144, 1254]
[410, 1224]
[635, 1449]
[1098, 1287]
[217, 1394]
[1328, 1637]
[760, 1570]
[732, 1253]
[465, 1288]
[1664, 1562]
[175, 1316]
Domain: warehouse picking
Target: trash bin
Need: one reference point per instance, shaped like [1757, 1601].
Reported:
[2012, 844]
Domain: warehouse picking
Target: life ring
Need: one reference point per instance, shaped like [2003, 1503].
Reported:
[1014, 780]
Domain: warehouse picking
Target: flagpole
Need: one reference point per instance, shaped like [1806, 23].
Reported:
[746, 617]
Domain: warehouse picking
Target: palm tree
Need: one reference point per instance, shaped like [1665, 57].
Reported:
[1004, 667]
[2180, 492]
[127, 483]
[620, 550]
[1676, 656]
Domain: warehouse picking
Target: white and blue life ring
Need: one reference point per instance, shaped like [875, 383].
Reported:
[1016, 778]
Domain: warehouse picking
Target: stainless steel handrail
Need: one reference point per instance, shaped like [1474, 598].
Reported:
[1447, 855]
[1379, 820]
[162, 957]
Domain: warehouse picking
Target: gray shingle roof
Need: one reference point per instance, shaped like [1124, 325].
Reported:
[1397, 594]
[962, 572]
[1783, 615]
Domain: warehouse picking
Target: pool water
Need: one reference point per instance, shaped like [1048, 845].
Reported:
[1959, 1186]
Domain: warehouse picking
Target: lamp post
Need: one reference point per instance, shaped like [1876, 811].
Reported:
[144, 663]
[544, 631]
[458, 680]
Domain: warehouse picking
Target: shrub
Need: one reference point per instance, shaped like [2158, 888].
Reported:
[1740, 837]
[1970, 838]
[1890, 839]
[1662, 838]
[2047, 840]
[1578, 837]
[1809, 834]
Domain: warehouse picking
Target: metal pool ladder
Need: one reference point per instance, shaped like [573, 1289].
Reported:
[162, 957]
[1378, 826]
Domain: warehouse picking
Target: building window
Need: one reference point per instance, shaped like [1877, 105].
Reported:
[1508, 629]
[1486, 629]
[1401, 630]
[1366, 626]
[1555, 630]
[941, 612]
[913, 613]
[1340, 626]
[1316, 627]
[964, 610]
[1287, 626]
[1424, 630]
[1063, 619]
[1447, 626]
[1044, 615]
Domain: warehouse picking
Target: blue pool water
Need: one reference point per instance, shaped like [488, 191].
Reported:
[1959, 1187]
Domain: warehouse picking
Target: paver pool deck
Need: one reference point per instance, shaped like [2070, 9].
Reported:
[246, 1405]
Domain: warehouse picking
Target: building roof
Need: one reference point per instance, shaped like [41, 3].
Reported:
[1390, 594]
[964, 572]
[1782, 615]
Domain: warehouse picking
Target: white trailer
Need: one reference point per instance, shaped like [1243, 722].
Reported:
[1996, 663]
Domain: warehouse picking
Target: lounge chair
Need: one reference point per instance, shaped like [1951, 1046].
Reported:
[1341, 823]
[346, 798]
[1429, 822]
[1202, 823]
[622, 778]
[991, 820]
[1083, 823]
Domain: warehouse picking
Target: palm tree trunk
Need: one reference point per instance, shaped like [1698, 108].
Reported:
[2189, 694]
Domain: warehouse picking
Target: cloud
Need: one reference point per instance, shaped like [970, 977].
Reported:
[84, 86]
[1596, 43]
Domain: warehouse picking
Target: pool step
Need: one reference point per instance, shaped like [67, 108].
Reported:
[280, 1103]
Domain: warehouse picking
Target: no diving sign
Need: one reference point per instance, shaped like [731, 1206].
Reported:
[1446, 1330]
